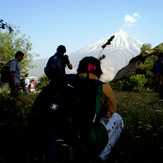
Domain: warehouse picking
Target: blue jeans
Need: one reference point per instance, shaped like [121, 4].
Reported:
[26, 90]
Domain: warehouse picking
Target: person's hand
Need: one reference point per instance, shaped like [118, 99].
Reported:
[107, 117]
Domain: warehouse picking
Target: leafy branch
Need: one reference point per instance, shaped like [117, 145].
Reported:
[4, 25]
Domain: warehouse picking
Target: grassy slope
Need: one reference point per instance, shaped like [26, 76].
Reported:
[141, 140]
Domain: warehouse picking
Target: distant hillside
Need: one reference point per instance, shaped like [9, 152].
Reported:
[38, 71]
[140, 70]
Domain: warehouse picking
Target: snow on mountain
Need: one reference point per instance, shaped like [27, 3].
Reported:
[123, 48]
[118, 54]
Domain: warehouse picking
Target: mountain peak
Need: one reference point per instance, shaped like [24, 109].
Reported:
[123, 39]
[121, 32]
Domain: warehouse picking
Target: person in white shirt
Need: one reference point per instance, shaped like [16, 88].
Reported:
[27, 83]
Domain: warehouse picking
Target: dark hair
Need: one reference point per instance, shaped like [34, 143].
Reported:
[26, 75]
[18, 53]
[61, 49]
[95, 66]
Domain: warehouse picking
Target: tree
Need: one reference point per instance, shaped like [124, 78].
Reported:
[138, 81]
[43, 82]
[145, 47]
[160, 49]
[4, 25]
[10, 43]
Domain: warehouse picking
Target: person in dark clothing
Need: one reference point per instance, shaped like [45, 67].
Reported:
[57, 63]
[15, 73]
[159, 77]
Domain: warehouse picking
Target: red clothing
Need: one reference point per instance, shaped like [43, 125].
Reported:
[32, 87]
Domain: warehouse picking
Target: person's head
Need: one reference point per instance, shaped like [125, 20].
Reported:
[90, 64]
[19, 56]
[61, 49]
[27, 75]
[160, 56]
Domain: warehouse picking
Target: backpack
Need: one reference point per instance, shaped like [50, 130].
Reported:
[22, 83]
[53, 67]
[5, 72]
[68, 107]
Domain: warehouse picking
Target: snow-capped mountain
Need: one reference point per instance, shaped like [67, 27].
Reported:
[118, 54]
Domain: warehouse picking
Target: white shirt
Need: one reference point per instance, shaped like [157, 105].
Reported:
[26, 82]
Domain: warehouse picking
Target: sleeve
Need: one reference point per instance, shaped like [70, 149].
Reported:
[12, 66]
[66, 60]
[111, 98]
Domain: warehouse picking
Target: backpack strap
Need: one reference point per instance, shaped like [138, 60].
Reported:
[59, 63]
[101, 100]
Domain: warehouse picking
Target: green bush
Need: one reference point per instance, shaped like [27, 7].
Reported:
[138, 82]
[43, 82]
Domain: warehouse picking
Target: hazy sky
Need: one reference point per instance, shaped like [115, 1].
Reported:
[79, 23]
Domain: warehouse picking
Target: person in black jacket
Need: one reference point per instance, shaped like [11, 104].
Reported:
[159, 77]
[57, 63]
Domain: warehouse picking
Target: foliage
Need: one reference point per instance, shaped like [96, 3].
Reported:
[145, 47]
[143, 53]
[140, 141]
[131, 83]
[122, 84]
[138, 81]
[13, 119]
[10, 43]
[43, 82]
[148, 68]
[143, 77]
[4, 25]
[159, 48]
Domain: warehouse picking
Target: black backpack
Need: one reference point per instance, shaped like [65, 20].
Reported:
[22, 83]
[54, 67]
[68, 107]
[5, 72]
